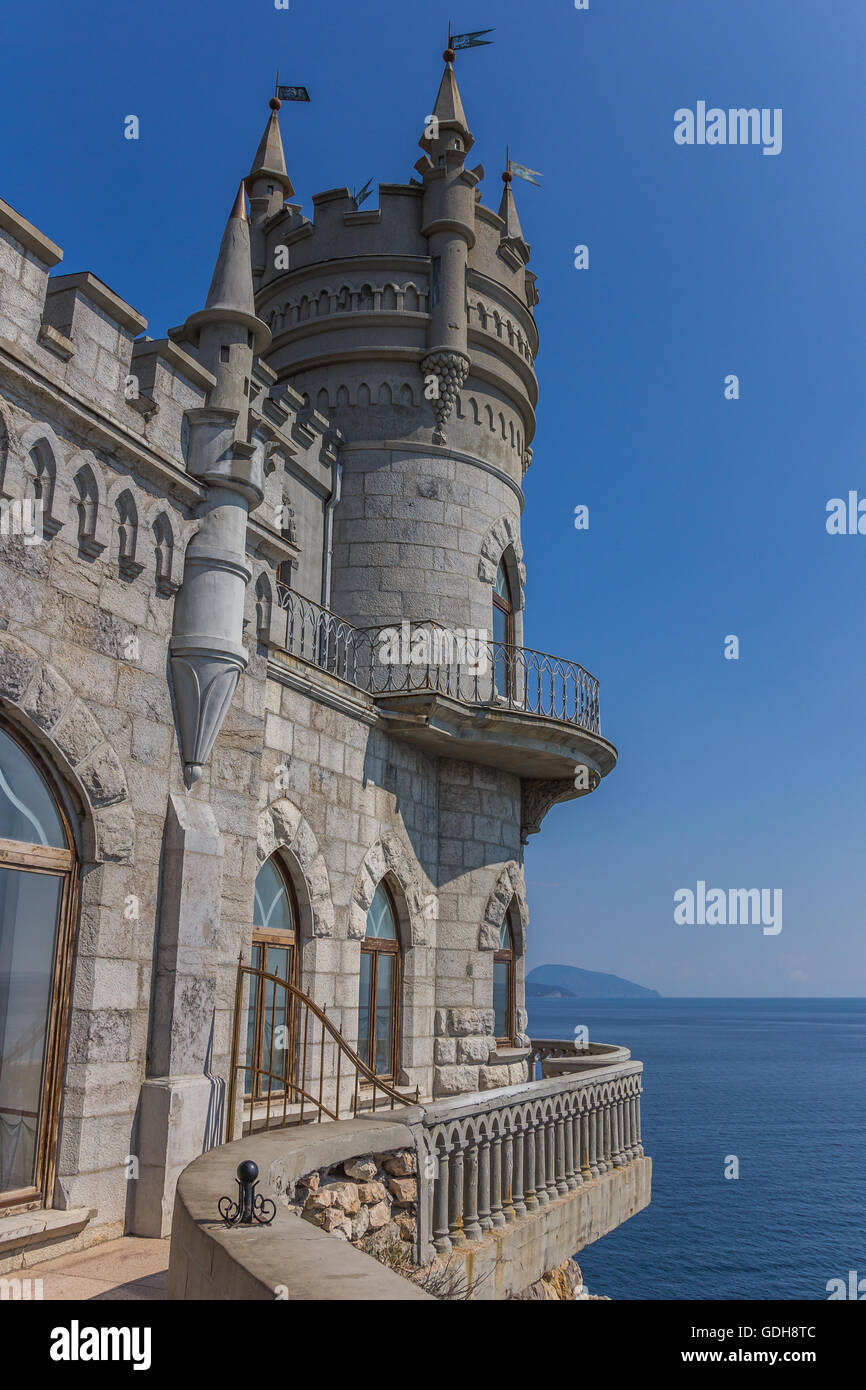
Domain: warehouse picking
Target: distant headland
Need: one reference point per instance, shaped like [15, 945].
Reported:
[569, 982]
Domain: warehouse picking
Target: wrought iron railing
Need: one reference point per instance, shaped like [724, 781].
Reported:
[401, 658]
[292, 1064]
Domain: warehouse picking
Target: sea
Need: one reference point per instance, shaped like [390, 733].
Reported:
[779, 1085]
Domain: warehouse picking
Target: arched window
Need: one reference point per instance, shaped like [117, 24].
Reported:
[270, 1017]
[379, 992]
[36, 921]
[503, 632]
[503, 984]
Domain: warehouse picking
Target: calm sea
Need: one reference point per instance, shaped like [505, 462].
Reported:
[778, 1083]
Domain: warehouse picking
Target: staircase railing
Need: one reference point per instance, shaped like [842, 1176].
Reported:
[313, 1068]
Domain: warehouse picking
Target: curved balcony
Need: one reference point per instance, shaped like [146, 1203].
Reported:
[462, 695]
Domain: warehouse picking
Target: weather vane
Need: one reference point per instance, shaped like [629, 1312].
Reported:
[474, 40]
[282, 94]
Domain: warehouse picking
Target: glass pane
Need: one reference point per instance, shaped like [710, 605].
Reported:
[385, 1015]
[365, 990]
[27, 810]
[29, 908]
[501, 1022]
[502, 588]
[504, 936]
[275, 1036]
[500, 661]
[255, 962]
[380, 918]
[272, 907]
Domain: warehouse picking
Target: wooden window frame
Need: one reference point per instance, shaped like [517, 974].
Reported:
[507, 957]
[63, 864]
[265, 937]
[375, 946]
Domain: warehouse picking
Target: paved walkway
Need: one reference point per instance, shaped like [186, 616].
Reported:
[129, 1268]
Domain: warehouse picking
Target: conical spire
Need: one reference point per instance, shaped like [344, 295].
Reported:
[230, 297]
[508, 210]
[448, 111]
[270, 161]
[232, 283]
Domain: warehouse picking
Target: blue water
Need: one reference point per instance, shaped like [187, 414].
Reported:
[781, 1084]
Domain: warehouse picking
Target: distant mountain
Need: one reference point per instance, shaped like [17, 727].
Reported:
[535, 990]
[570, 982]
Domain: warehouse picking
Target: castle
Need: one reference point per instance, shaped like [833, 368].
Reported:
[212, 750]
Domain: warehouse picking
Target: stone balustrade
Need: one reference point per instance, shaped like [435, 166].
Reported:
[499, 1156]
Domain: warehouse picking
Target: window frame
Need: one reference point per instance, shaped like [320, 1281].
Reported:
[507, 956]
[27, 857]
[263, 937]
[375, 946]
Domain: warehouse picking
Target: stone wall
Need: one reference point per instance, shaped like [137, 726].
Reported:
[371, 1201]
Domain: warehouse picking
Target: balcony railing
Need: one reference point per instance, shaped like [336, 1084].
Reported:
[504, 1156]
[404, 658]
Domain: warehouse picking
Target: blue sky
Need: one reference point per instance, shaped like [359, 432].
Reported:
[707, 516]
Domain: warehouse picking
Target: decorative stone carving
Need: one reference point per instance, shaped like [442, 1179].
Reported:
[538, 797]
[452, 369]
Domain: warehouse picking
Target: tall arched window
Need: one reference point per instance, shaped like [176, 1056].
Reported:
[379, 993]
[36, 919]
[503, 632]
[270, 1018]
[503, 984]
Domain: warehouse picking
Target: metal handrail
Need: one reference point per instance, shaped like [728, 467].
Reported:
[293, 1078]
[466, 667]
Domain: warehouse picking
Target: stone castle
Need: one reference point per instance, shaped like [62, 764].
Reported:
[241, 718]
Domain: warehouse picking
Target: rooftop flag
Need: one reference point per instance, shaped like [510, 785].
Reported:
[359, 198]
[293, 94]
[473, 40]
[520, 171]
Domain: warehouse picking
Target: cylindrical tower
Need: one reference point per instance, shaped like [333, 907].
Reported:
[411, 326]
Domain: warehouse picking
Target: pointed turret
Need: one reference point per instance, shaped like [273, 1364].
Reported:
[268, 185]
[448, 125]
[512, 241]
[227, 330]
[207, 650]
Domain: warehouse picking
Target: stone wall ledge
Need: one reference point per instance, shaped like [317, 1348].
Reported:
[290, 1260]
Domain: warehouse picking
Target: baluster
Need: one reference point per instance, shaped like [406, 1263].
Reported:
[496, 1158]
[529, 1155]
[562, 1163]
[567, 1123]
[578, 1150]
[628, 1145]
[455, 1196]
[441, 1240]
[590, 1119]
[605, 1157]
[540, 1157]
[551, 1160]
[484, 1218]
[471, 1224]
[517, 1206]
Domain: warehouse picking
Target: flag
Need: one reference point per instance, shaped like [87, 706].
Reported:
[293, 94]
[359, 198]
[473, 40]
[520, 171]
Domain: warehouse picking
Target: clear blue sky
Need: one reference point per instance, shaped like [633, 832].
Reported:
[706, 516]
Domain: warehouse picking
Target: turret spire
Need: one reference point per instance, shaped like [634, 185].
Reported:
[448, 120]
[270, 161]
[508, 207]
[230, 297]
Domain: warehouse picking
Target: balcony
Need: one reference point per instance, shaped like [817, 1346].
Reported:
[509, 1182]
[521, 710]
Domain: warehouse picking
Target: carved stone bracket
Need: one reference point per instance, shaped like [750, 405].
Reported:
[539, 795]
[451, 369]
[204, 684]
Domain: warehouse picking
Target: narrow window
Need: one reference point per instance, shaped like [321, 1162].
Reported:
[271, 1041]
[503, 633]
[378, 1021]
[503, 984]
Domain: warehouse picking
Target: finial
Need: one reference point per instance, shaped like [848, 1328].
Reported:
[449, 55]
[507, 177]
[275, 103]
